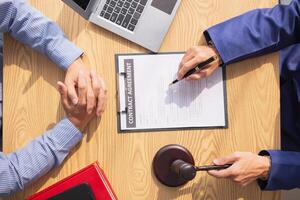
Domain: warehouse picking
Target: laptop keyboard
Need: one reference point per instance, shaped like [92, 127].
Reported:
[125, 13]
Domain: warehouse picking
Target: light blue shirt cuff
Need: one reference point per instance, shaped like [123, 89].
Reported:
[67, 134]
[65, 54]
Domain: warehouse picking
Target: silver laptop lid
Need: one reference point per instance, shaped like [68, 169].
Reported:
[83, 7]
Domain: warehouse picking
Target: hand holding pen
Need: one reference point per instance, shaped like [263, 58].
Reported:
[193, 57]
[198, 68]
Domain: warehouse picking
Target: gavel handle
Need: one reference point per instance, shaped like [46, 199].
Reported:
[212, 167]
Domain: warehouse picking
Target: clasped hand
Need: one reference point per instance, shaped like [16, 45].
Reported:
[83, 95]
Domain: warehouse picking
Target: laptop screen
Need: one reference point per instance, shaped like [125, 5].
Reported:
[82, 3]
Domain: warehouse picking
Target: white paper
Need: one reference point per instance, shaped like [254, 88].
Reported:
[186, 104]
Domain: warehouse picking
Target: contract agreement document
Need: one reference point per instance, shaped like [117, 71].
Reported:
[147, 102]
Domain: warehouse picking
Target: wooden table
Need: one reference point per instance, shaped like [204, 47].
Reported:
[31, 106]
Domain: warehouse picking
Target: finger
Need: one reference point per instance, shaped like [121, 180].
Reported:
[226, 173]
[101, 103]
[186, 67]
[102, 99]
[190, 53]
[227, 159]
[247, 182]
[90, 96]
[103, 84]
[209, 70]
[82, 89]
[244, 184]
[62, 88]
[91, 101]
[186, 58]
[72, 92]
[96, 84]
[100, 87]
[194, 77]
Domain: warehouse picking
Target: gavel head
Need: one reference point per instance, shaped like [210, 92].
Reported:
[184, 170]
[173, 165]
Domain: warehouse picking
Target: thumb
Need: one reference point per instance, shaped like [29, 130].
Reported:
[226, 160]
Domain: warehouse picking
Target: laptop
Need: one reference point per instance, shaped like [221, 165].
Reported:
[144, 22]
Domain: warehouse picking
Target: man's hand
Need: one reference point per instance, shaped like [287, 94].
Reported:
[78, 114]
[193, 57]
[246, 167]
[94, 91]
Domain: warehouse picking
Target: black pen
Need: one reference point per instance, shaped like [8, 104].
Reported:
[198, 68]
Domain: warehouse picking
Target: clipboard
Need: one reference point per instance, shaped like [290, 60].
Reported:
[130, 77]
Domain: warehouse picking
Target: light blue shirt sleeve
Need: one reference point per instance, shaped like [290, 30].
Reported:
[30, 27]
[27, 25]
[37, 158]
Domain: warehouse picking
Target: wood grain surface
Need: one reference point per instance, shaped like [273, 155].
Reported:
[31, 106]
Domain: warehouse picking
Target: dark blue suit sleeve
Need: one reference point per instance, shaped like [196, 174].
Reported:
[284, 172]
[257, 32]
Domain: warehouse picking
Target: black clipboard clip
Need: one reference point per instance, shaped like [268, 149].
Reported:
[118, 96]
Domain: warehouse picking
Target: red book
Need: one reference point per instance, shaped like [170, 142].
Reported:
[93, 175]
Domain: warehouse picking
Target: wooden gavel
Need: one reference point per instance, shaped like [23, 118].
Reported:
[174, 166]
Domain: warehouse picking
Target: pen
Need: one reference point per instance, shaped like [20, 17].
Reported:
[198, 68]
[212, 167]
